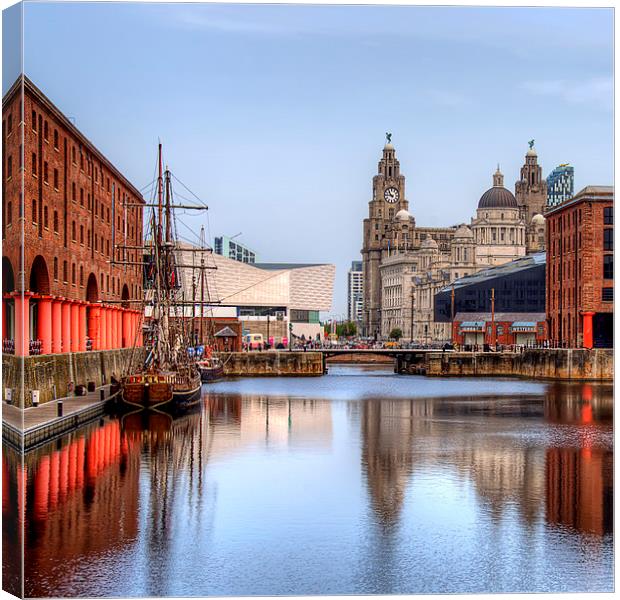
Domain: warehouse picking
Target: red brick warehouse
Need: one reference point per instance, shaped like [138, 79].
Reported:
[580, 269]
[65, 206]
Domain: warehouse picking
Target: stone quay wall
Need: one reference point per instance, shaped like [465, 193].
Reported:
[577, 364]
[65, 371]
[272, 364]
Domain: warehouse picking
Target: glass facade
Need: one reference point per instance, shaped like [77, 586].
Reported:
[560, 185]
[225, 246]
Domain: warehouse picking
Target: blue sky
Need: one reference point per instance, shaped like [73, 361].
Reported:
[276, 115]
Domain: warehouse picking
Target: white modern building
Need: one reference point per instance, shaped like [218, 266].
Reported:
[265, 297]
[355, 292]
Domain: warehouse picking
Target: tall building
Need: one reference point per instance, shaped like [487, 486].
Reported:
[390, 228]
[225, 246]
[355, 292]
[68, 215]
[531, 197]
[580, 269]
[560, 185]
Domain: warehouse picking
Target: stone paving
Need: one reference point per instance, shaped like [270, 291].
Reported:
[47, 413]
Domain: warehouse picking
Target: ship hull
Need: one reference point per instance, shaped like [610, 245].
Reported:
[211, 374]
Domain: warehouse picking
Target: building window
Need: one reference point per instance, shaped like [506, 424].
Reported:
[608, 215]
[73, 231]
[34, 121]
[81, 196]
[56, 139]
[55, 221]
[55, 179]
[89, 238]
[34, 211]
[82, 234]
[55, 268]
[73, 155]
[608, 239]
[608, 294]
[9, 167]
[64, 271]
[45, 172]
[9, 212]
[73, 273]
[34, 164]
[45, 131]
[9, 124]
[608, 266]
[45, 215]
[81, 275]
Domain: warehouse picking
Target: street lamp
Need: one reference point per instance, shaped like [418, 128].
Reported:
[290, 336]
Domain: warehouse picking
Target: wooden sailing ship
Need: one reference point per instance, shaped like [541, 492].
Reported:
[169, 374]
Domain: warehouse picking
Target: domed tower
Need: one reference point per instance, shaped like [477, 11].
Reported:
[537, 234]
[388, 198]
[531, 190]
[499, 230]
[463, 253]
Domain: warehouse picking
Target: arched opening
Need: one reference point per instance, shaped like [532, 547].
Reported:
[126, 320]
[8, 307]
[39, 323]
[39, 276]
[92, 290]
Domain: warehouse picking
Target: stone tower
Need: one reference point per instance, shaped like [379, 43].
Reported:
[531, 193]
[388, 197]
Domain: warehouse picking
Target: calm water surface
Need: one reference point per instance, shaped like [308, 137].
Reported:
[358, 482]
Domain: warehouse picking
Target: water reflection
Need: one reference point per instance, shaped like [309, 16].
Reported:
[294, 494]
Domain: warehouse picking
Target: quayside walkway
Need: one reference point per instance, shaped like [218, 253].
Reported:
[37, 424]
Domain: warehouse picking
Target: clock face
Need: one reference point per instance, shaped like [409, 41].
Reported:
[391, 195]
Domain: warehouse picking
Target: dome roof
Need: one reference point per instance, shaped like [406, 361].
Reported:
[497, 197]
[531, 152]
[388, 146]
[538, 219]
[429, 243]
[463, 232]
[403, 215]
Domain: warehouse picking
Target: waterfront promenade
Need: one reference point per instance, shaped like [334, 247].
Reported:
[37, 424]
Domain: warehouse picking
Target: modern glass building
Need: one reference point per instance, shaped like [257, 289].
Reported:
[355, 292]
[560, 185]
[518, 287]
[225, 246]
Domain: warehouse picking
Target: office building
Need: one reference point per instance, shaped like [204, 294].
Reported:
[225, 246]
[355, 292]
[560, 185]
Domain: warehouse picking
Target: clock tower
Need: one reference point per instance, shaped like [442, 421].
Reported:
[388, 197]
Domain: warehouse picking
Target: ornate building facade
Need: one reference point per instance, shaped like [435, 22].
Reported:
[405, 265]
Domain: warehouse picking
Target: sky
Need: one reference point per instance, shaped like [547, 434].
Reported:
[275, 115]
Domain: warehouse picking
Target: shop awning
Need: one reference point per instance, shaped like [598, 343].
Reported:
[472, 325]
[524, 326]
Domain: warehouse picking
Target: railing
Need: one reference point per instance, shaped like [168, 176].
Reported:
[8, 346]
[34, 348]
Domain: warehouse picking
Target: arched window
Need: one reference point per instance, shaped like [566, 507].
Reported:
[64, 271]
[56, 139]
[82, 234]
[73, 236]
[45, 223]
[56, 221]
[56, 268]
[73, 273]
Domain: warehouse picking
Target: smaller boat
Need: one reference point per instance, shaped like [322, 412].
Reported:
[211, 369]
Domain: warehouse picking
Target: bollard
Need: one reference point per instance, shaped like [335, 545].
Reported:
[59, 408]
[102, 394]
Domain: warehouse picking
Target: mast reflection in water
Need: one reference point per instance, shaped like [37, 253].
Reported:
[359, 482]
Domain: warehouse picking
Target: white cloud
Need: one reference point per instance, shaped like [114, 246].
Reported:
[596, 91]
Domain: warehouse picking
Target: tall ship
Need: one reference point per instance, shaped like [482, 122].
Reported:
[168, 375]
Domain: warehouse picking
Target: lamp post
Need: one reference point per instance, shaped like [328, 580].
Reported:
[290, 336]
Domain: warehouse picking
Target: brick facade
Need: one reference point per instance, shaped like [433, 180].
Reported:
[579, 292]
[67, 206]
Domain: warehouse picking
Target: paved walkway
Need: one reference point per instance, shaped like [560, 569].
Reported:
[47, 413]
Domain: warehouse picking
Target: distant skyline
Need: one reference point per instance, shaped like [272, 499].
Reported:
[276, 115]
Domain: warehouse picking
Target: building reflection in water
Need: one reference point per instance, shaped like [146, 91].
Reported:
[579, 477]
[502, 448]
[118, 487]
